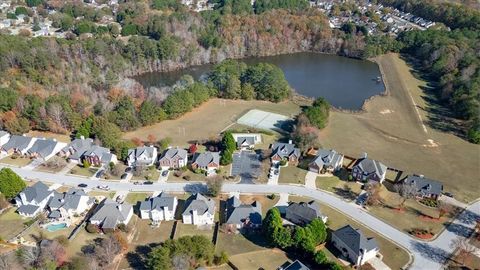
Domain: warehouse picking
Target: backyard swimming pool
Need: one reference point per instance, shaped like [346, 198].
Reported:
[56, 227]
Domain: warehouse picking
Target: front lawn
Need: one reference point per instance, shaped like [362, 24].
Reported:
[151, 174]
[340, 187]
[11, 223]
[82, 171]
[292, 175]
[186, 176]
[16, 161]
[266, 202]
[104, 194]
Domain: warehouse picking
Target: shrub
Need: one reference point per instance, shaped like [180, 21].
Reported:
[86, 164]
[92, 228]
[429, 202]
[187, 177]
[122, 227]
[283, 162]
[220, 259]
[271, 196]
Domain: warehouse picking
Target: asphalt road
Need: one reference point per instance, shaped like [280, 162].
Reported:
[426, 255]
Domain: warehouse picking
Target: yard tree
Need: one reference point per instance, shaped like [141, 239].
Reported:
[159, 259]
[214, 185]
[318, 230]
[282, 237]
[318, 112]
[10, 183]
[304, 240]
[406, 191]
[108, 133]
[272, 221]
[226, 157]
[320, 258]
[228, 142]
[465, 249]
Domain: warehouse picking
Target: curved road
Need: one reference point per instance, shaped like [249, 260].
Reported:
[426, 255]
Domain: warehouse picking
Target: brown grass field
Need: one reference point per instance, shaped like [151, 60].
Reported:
[208, 120]
[390, 130]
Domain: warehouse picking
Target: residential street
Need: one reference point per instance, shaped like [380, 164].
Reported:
[427, 255]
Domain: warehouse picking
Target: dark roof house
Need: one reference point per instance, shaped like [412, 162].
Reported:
[296, 265]
[366, 169]
[425, 187]
[303, 213]
[243, 214]
[329, 160]
[354, 245]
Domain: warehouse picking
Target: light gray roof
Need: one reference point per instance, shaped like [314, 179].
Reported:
[78, 147]
[237, 212]
[327, 158]
[203, 159]
[297, 265]
[250, 140]
[158, 203]
[306, 211]
[43, 147]
[97, 151]
[111, 213]
[106, 157]
[285, 150]
[355, 239]
[172, 153]
[67, 200]
[28, 209]
[55, 214]
[424, 185]
[199, 203]
[17, 142]
[149, 150]
[371, 166]
[38, 192]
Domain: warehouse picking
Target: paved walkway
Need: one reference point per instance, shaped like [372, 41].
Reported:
[310, 180]
[427, 255]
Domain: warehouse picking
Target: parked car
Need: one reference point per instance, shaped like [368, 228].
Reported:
[164, 173]
[100, 173]
[128, 169]
[124, 176]
[137, 183]
[103, 187]
[82, 185]
[148, 183]
[120, 198]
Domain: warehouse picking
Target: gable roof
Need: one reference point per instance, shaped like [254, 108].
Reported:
[297, 265]
[111, 213]
[43, 147]
[79, 146]
[237, 212]
[371, 166]
[203, 159]
[248, 140]
[149, 151]
[17, 142]
[38, 192]
[307, 211]
[67, 200]
[28, 209]
[172, 153]
[424, 185]
[355, 239]
[159, 203]
[97, 151]
[285, 150]
[327, 158]
[199, 203]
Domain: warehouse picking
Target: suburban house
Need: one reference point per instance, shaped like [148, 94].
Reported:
[247, 141]
[285, 151]
[45, 148]
[74, 151]
[98, 156]
[354, 245]
[326, 161]
[173, 158]
[208, 161]
[303, 213]
[366, 169]
[18, 144]
[67, 204]
[110, 214]
[159, 208]
[426, 188]
[142, 156]
[240, 215]
[32, 200]
[296, 265]
[199, 210]
[4, 137]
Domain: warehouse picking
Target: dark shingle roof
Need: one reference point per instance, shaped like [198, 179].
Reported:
[237, 212]
[285, 150]
[199, 203]
[326, 157]
[371, 166]
[17, 142]
[174, 152]
[43, 147]
[158, 203]
[203, 159]
[355, 239]
[38, 192]
[248, 140]
[297, 265]
[307, 211]
[28, 209]
[424, 185]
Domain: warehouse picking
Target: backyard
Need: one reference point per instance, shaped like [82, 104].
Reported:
[189, 229]
[269, 259]
[11, 223]
[292, 175]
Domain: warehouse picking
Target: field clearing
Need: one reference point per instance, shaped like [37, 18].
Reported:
[11, 223]
[209, 119]
[390, 130]
[269, 259]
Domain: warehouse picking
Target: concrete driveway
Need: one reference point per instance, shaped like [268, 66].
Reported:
[310, 180]
[247, 165]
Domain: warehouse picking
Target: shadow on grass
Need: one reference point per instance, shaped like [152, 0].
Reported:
[432, 253]
[137, 259]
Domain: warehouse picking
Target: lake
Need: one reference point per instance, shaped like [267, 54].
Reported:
[346, 83]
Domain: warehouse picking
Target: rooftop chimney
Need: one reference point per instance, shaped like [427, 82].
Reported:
[290, 142]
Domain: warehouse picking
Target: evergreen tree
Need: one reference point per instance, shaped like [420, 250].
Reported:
[10, 183]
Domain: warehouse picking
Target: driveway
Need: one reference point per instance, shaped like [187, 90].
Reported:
[310, 180]
[247, 165]
[426, 255]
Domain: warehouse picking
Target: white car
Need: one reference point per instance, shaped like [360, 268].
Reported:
[103, 187]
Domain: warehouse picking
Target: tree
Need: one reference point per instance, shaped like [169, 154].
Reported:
[463, 247]
[271, 221]
[247, 92]
[3, 202]
[8, 100]
[318, 113]
[318, 230]
[10, 183]
[373, 193]
[150, 113]
[214, 186]
[282, 237]
[228, 142]
[226, 158]
[158, 259]
[303, 240]
[304, 135]
[320, 258]
[268, 81]
[406, 191]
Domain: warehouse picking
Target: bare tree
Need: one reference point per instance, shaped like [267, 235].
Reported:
[106, 250]
[464, 249]
[373, 193]
[55, 112]
[406, 191]
[444, 208]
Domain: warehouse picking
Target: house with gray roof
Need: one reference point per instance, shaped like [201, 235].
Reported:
[326, 161]
[366, 169]
[199, 210]
[353, 245]
[32, 200]
[296, 265]
[208, 161]
[173, 158]
[4, 137]
[67, 204]
[142, 156]
[18, 144]
[303, 213]
[285, 151]
[98, 156]
[159, 208]
[426, 188]
[239, 215]
[45, 148]
[247, 141]
[109, 214]
[74, 150]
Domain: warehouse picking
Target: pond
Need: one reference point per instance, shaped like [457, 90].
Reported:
[346, 83]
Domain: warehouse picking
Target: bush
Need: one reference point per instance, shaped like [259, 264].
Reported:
[283, 162]
[122, 227]
[429, 202]
[187, 177]
[92, 228]
[220, 259]
[271, 196]
[86, 164]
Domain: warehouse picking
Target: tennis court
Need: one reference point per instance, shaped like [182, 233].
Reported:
[265, 120]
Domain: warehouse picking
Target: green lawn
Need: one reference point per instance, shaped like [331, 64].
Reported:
[11, 223]
[150, 173]
[193, 177]
[105, 194]
[134, 197]
[82, 171]
[269, 259]
[336, 185]
[292, 175]
[188, 229]
[18, 161]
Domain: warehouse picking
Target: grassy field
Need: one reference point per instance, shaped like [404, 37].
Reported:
[292, 175]
[150, 174]
[18, 162]
[235, 244]
[194, 177]
[390, 130]
[269, 259]
[394, 256]
[335, 185]
[188, 229]
[11, 223]
[82, 171]
[198, 124]
[134, 197]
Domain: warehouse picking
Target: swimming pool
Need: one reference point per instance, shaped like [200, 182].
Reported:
[56, 227]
